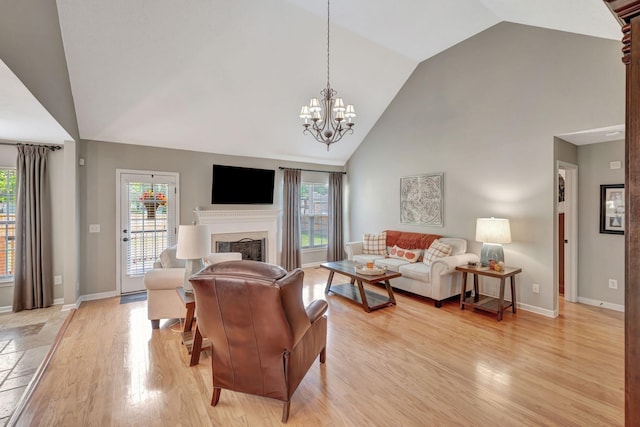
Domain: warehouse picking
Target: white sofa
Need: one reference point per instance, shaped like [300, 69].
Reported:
[163, 301]
[438, 280]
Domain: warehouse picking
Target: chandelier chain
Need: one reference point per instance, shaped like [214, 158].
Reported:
[328, 43]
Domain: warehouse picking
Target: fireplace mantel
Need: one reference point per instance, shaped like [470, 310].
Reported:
[244, 221]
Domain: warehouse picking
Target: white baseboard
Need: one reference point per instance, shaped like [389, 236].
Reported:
[596, 303]
[57, 301]
[90, 297]
[312, 264]
[537, 310]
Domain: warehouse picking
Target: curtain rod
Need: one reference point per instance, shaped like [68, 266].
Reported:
[312, 170]
[51, 147]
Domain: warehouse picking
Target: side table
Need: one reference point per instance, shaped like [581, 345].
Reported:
[192, 340]
[484, 302]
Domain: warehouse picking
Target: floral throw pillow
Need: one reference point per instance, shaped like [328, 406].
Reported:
[374, 244]
[435, 251]
[411, 255]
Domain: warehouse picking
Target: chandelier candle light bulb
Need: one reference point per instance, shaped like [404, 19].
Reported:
[330, 127]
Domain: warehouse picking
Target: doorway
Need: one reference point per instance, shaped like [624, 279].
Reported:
[146, 223]
[567, 232]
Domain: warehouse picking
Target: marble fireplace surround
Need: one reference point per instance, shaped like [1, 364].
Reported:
[238, 224]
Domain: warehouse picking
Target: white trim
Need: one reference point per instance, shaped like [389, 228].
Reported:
[571, 234]
[91, 297]
[537, 310]
[239, 221]
[57, 301]
[313, 264]
[603, 304]
[118, 235]
[68, 307]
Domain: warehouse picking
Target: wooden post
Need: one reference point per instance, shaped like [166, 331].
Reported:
[628, 13]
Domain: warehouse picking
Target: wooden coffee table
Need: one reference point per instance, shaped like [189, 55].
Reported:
[368, 299]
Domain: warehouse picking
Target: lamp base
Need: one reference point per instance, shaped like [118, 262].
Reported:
[491, 251]
[191, 267]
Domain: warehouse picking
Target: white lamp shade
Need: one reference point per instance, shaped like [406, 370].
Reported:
[314, 105]
[338, 105]
[493, 230]
[304, 113]
[194, 241]
[351, 112]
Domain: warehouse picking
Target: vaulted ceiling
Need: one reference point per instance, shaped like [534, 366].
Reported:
[230, 77]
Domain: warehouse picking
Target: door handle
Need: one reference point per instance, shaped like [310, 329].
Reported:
[566, 241]
[126, 239]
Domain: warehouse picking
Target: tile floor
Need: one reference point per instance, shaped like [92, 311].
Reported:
[25, 339]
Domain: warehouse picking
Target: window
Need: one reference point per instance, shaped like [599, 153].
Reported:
[314, 215]
[7, 222]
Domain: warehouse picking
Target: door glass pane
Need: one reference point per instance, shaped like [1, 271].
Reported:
[148, 225]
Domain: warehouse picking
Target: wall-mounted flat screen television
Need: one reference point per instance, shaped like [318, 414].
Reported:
[233, 185]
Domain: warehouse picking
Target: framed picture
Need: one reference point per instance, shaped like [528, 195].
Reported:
[612, 209]
[421, 199]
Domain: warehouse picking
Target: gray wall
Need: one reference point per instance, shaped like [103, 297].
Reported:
[31, 46]
[98, 194]
[485, 113]
[600, 256]
[565, 151]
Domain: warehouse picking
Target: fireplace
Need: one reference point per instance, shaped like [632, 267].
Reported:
[236, 225]
[251, 249]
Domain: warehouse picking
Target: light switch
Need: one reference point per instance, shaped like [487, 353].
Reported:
[94, 228]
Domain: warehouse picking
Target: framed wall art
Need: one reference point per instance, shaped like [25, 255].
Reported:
[612, 209]
[421, 199]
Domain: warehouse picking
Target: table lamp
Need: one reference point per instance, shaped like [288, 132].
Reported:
[194, 243]
[492, 232]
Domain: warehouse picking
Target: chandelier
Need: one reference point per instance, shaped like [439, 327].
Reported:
[327, 115]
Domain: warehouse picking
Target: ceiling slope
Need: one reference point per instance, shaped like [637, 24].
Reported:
[230, 77]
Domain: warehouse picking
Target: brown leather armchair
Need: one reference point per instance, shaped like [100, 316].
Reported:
[263, 338]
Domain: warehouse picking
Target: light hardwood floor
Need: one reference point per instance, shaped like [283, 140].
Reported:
[408, 365]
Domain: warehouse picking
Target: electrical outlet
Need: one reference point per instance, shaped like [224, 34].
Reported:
[57, 280]
[94, 228]
[536, 288]
[613, 283]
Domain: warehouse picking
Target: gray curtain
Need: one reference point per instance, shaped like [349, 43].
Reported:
[291, 255]
[33, 271]
[335, 249]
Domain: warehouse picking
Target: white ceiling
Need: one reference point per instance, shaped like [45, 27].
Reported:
[230, 77]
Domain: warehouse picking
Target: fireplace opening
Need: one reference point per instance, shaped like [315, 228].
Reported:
[251, 249]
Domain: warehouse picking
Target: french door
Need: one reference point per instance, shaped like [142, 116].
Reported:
[147, 223]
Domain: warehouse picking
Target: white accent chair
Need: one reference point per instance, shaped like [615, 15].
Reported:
[163, 301]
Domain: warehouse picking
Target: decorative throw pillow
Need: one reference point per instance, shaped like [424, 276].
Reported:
[374, 244]
[168, 258]
[435, 251]
[411, 255]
